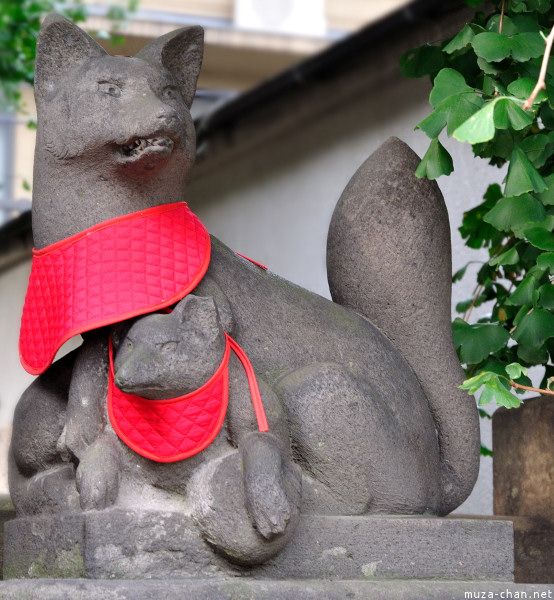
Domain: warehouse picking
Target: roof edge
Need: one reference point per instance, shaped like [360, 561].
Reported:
[313, 67]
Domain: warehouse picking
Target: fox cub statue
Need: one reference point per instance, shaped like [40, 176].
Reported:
[361, 408]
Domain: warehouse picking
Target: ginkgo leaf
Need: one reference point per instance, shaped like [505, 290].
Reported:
[524, 293]
[508, 25]
[546, 261]
[473, 384]
[547, 197]
[535, 328]
[461, 40]
[515, 371]
[514, 212]
[475, 342]
[510, 257]
[522, 176]
[526, 46]
[421, 61]
[494, 390]
[479, 127]
[508, 114]
[521, 88]
[540, 238]
[436, 162]
[533, 356]
[447, 83]
[538, 149]
[546, 296]
[452, 112]
[492, 46]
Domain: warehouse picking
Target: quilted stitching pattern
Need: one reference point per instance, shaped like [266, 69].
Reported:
[171, 430]
[168, 432]
[114, 271]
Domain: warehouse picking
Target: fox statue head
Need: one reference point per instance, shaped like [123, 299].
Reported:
[115, 133]
[164, 356]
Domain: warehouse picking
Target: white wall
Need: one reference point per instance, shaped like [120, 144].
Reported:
[13, 378]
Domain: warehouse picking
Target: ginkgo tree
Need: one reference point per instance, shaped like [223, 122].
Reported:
[19, 26]
[493, 87]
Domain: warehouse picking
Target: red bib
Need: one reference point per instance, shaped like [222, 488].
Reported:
[175, 429]
[116, 270]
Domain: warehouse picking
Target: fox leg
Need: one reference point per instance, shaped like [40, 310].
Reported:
[219, 497]
[349, 442]
[51, 490]
[41, 477]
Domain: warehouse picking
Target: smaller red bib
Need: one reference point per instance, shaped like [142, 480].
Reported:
[119, 269]
[178, 428]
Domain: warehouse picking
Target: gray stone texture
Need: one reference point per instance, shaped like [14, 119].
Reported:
[523, 476]
[396, 225]
[244, 589]
[129, 544]
[7, 513]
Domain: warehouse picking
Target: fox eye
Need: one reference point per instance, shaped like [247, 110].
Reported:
[110, 88]
[169, 347]
[129, 345]
[170, 93]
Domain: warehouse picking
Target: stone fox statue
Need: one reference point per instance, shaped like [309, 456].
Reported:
[367, 380]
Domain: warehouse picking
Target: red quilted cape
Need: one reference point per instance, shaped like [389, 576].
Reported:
[116, 270]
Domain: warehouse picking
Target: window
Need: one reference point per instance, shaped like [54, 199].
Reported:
[293, 17]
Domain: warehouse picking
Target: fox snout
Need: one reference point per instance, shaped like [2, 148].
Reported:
[122, 380]
[167, 114]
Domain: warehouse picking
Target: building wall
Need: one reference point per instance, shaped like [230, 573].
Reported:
[13, 284]
[24, 146]
[343, 15]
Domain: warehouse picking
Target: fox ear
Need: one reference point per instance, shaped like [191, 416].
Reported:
[180, 52]
[61, 45]
[202, 310]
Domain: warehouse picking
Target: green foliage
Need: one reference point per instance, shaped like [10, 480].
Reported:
[436, 162]
[20, 23]
[482, 78]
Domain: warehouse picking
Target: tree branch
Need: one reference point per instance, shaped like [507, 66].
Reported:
[476, 293]
[541, 85]
[501, 25]
[518, 386]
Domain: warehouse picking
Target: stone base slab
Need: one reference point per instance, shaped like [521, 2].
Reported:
[119, 544]
[241, 589]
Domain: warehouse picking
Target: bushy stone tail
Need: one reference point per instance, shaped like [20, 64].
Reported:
[389, 259]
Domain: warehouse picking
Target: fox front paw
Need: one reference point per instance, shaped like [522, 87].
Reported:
[272, 501]
[268, 506]
[98, 476]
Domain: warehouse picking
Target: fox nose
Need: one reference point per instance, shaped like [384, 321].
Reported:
[121, 379]
[167, 114]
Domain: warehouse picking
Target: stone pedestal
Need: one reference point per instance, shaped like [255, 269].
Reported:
[255, 589]
[160, 556]
[155, 545]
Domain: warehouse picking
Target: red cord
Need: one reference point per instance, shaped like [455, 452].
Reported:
[254, 389]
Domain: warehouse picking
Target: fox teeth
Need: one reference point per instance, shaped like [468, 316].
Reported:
[140, 144]
[127, 149]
